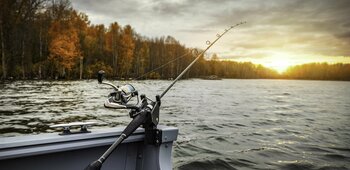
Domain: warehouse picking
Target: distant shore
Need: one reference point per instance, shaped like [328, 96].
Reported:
[170, 79]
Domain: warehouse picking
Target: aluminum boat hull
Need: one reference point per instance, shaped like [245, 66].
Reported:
[76, 151]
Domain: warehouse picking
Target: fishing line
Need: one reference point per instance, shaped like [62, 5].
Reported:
[202, 53]
[165, 64]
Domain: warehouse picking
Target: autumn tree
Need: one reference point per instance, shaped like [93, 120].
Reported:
[80, 22]
[64, 47]
[141, 56]
[112, 44]
[127, 46]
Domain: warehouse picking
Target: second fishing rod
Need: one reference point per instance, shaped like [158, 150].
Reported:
[145, 113]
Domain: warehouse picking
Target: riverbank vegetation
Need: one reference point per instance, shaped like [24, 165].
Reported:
[43, 39]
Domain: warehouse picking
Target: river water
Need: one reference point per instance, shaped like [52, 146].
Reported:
[223, 124]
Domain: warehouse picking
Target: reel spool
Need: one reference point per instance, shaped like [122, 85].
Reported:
[119, 98]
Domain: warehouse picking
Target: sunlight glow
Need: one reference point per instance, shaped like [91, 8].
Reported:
[279, 61]
[279, 65]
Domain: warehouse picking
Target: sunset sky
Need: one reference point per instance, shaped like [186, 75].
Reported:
[277, 34]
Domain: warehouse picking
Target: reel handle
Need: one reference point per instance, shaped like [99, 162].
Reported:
[100, 76]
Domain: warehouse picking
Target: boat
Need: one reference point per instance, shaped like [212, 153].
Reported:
[129, 148]
[76, 150]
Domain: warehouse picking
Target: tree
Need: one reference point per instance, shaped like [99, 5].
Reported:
[319, 71]
[64, 47]
[141, 57]
[214, 64]
[127, 46]
[113, 40]
[3, 58]
[80, 22]
[17, 18]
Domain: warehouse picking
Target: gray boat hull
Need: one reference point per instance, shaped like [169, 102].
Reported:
[76, 151]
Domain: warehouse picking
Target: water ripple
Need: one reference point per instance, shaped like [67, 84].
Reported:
[223, 124]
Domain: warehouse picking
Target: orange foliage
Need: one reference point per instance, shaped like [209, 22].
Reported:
[127, 51]
[64, 47]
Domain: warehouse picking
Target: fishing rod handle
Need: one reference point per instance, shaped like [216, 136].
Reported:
[111, 148]
[132, 126]
[96, 165]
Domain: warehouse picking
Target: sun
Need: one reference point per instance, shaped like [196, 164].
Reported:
[280, 62]
[280, 65]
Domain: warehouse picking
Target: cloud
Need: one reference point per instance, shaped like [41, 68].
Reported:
[289, 24]
[313, 27]
[344, 35]
[165, 8]
[196, 31]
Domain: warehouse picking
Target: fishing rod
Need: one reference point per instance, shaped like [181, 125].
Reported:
[195, 60]
[145, 113]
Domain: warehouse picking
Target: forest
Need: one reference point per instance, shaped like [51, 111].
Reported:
[42, 39]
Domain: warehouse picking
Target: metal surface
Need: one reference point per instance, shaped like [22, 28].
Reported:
[67, 127]
[55, 152]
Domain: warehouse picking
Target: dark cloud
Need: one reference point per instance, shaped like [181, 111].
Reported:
[165, 8]
[346, 25]
[344, 35]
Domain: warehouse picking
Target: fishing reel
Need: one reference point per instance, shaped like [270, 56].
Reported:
[120, 97]
[146, 113]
